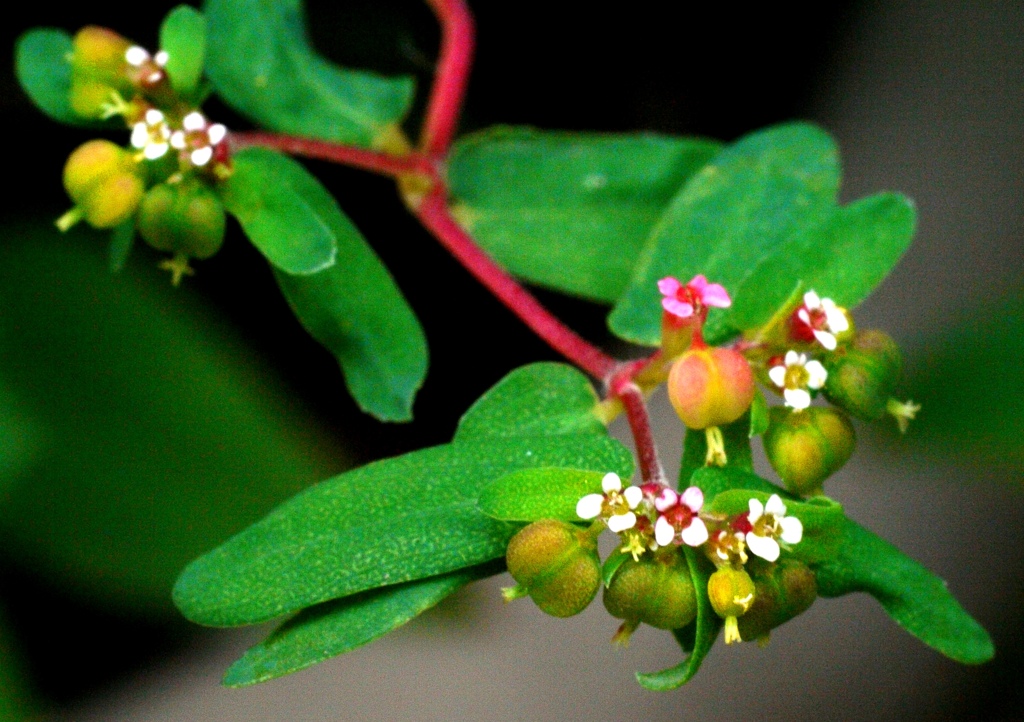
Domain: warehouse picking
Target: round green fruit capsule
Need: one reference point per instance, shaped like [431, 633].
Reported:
[782, 591]
[557, 565]
[656, 590]
[863, 376]
[99, 52]
[185, 217]
[710, 387]
[102, 179]
[806, 447]
[731, 592]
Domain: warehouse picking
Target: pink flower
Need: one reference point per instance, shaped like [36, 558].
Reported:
[678, 519]
[682, 301]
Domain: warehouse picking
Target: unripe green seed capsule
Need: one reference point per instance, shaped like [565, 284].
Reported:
[557, 564]
[806, 447]
[710, 387]
[102, 179]
[185, 217]
[786, 589]
[656, 590]
[862, 377]
[99, 52]
[731, 592]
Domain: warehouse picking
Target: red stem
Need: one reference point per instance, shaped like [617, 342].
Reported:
[433, 213]
[382, 163]
[623, 387]
[453, 66]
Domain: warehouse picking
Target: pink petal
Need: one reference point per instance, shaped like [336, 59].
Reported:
[693, 498]
[677, 307]
[698, 283]
[666, 500]
[695, 534]
[669, 286]
[715, 295]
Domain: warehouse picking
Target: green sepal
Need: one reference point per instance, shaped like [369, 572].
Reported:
[698, 638]
[569, 211]
[534, 494]
[260, 61]
[122, 238]
[326, 630]
[183, 38]
[611, 565]
[759, 415]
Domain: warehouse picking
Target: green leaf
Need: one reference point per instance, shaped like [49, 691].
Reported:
[534, 494]
[332, 628]
[611, 565]
[392, 521]
[122, 238]
[44, 71]
[705, 628]
[914, 597]
[183, 38]
[569, 211]
[844, 257]
[733, 213]
[737, 449]
[286, 213]
[261, 63]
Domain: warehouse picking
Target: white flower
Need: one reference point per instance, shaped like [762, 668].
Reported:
[795, 375]
[769, 524]
[615, 506]
[151, 135]
[678, 520]
[821, 319]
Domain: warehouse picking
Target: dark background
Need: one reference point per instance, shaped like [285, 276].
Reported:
[924, 98]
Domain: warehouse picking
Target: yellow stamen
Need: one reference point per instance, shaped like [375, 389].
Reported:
[716, 447]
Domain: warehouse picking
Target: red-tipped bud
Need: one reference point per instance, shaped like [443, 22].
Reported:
[656, 590]
[556, 564]
[183, 218]
[806, 447]
[710, 387]
[862, 378]
[102, 179]
[784, 590]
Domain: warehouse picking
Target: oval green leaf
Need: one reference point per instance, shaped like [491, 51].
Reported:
[534, 494]
[44, 71]
[183, 38]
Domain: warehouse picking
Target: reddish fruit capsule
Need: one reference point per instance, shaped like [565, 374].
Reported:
[710, 387]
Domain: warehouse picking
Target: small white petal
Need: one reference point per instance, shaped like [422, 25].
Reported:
[216, 133]
[664, 532]
[792, 530]
[798, 399]
[764, 547]
[756, 510]
[695, 534]
[140, 135]
[136, 56]
[837, 321]
[201, 156]
[804, 316]
[154, 77]
[693, 498]
[826, 339]
[154, 116]
[778, 376]
[816, 373]
[775, 506]
[812, 300]
[155, 150]
[177, 140]
[589, 507]
[161, 58]
[666, 500]
[622, 522]
[634, 495]
[611, 482]
[193, 121]
[792, 358]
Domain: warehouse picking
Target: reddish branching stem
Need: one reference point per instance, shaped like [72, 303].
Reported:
[373, 161]
[433, 213]
[632, 398]
[451, 78]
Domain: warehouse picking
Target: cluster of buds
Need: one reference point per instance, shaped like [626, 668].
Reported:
[164, 181]
[557, 564]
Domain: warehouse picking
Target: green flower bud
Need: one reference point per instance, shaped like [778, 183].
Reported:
[862, 377]
[806, 447]
[656, 590]
[710, 387]
[186, 218]
[785, 589]
[102, 179]
[556, 564]
[732, 594]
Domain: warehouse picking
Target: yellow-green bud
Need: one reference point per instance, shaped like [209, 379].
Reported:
[710, 386]
[100, 52]
[862, 377]
[557, 565]
[784, 590]
[731, 592]
[185, 217]
[102, 179]
[656, 590]
[806, 447]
